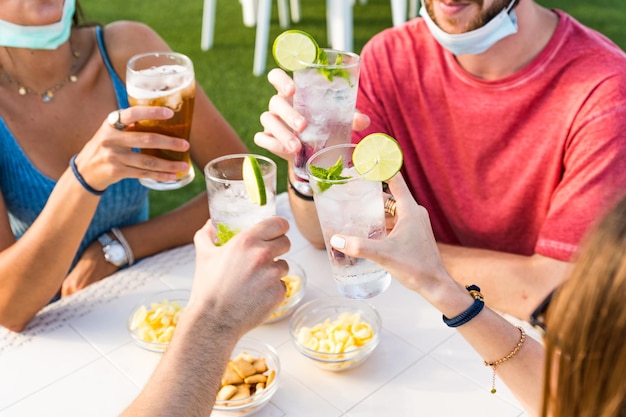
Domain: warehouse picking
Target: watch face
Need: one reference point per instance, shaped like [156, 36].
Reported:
[115, 254]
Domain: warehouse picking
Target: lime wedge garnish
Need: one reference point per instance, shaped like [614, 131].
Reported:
[377, 157]
[253, 180]
[224, 233]
[293, 48]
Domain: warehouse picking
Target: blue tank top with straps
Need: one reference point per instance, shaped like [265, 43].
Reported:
[26, 190]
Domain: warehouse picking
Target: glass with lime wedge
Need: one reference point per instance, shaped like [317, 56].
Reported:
[326, 83]
[346, 181]
[242, 191]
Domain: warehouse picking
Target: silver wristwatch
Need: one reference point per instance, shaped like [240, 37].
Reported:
[113, 251]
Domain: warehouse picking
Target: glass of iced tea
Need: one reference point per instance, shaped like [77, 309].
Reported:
[164, 79]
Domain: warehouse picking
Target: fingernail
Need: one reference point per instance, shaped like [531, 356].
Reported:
[293, 145]
[338, 242]
[299, 123]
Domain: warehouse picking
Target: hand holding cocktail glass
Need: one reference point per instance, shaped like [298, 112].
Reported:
[242, 191]
[326, 83]
[347, 188]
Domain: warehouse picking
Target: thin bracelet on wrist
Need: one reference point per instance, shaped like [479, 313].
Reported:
[120, 238]
[81, 180]
[494, 364]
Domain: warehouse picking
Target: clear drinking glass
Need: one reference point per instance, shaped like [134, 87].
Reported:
[164, 79]
[231, 209]
[351, 206]
[326, 97]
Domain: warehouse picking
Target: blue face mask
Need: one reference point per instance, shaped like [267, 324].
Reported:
[39, 37]
[476, 41]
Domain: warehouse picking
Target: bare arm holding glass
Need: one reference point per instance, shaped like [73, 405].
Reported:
[411, 255]
[212, 137]
[35, 265]
[574, 372]
[235, 287]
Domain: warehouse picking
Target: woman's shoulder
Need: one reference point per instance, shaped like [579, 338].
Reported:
[125, 38]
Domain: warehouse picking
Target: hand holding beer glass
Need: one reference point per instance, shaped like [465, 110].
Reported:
[164, 79]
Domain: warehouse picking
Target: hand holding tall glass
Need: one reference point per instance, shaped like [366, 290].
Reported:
[232, 208]
[349, 205]
[326, 96]
[164, 79]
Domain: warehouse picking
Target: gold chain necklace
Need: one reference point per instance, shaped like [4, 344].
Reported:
[48, 94]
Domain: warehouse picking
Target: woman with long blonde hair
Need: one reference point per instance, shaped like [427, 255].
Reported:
[585, 343]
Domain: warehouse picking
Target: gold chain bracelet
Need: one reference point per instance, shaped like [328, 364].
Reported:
[506, 358]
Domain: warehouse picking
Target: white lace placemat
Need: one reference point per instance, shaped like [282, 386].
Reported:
[57, 314]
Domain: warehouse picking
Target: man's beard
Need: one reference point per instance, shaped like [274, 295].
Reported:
[479, 21]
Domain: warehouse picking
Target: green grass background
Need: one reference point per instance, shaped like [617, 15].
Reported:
[225, 71]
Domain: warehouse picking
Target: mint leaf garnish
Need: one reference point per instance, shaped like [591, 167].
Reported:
[322, 57]
[331, 174]
[331, 73]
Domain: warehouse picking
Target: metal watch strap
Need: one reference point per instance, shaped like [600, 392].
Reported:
[129, 252]
[104, 239]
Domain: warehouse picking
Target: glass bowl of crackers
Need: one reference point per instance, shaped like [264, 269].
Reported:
[295, 283]
[336, 333]
[250, 379]
[152, 322]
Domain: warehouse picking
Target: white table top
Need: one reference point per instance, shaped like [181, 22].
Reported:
[77, 358]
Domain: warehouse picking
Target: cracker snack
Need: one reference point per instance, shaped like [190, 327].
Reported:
[244, 377]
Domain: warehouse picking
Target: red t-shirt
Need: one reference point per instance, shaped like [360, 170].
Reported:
[523, 164]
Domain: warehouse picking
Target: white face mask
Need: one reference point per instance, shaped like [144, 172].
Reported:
[39, 37]
[475, 41]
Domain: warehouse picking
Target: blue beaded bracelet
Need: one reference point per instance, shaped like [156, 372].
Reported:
[81, 180]
[471, 312]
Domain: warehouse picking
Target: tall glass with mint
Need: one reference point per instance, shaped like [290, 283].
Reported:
[349, 204]
[325, 95]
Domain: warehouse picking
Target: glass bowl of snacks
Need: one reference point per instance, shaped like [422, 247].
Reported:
[152, 322]
[336, 333]
[295, 281]
[250, 379]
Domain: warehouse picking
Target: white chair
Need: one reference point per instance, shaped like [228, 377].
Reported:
[339, 23]
[339, 19]
[263, 10]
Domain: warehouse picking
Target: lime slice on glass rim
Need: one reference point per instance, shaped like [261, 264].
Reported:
[377, 157]
[253, 180]
[293, 48]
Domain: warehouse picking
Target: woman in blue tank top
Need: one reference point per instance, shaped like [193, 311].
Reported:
[69, 185]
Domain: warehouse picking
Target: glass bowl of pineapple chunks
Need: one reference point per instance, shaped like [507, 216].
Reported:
[152, 322]
[336, 333]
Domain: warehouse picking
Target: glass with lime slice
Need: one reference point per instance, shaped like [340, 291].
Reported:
[325, 96]
[326, 83]
[293, 49]
[349, 203]
[242, 191]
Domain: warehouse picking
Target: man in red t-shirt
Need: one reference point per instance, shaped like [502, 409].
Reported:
[512, 121]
